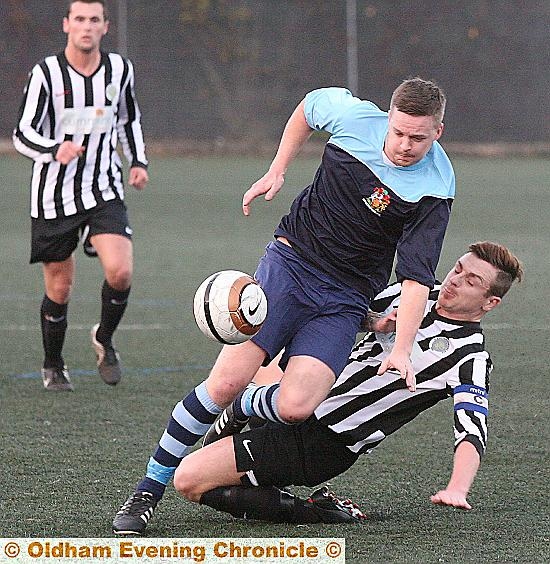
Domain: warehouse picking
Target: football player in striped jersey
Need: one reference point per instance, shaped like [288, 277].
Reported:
[77, 106]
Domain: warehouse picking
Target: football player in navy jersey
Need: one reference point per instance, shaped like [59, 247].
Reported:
[77, 106]
[383, 191]
[243, 474]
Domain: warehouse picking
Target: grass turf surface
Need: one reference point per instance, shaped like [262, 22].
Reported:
[69, 460]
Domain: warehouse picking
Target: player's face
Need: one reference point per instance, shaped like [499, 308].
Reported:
[85, 26]
[465, 293]
[409, 137]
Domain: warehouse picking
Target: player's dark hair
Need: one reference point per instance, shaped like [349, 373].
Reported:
[102, 2]
[508, 265]
[419, 97]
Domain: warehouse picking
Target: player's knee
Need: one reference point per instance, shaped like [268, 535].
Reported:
[223, 391]
[60, 291]
[186, 482]
[119, 278]
[293, 411]
[293, 406]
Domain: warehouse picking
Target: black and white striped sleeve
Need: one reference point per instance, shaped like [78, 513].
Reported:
[28, 135]
[382, 301]
[471, 402]
[129, 129]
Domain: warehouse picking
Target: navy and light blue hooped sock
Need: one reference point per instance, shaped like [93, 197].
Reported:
[260, 401]
[190, 420]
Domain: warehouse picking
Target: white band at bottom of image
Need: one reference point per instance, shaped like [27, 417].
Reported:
[207, 550]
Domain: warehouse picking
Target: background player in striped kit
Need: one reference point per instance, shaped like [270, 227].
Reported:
[77, 105]
[363, 408]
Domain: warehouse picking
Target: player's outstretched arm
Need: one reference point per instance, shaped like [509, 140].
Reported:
[409, 316]
[295, 134]
[466, 464]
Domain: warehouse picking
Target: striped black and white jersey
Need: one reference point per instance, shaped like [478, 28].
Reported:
[449, 360]
[60, 104]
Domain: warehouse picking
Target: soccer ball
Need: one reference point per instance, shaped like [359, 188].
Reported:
[230, 307]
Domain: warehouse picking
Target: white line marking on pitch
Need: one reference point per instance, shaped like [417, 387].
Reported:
[80, 327]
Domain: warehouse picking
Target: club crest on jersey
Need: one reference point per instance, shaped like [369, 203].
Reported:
[439, 344]
[111, 92]
[378, 201]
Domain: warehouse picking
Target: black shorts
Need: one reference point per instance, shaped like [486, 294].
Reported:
[306, 454]
[54, 240]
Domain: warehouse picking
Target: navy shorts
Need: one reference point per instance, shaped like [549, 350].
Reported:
[309, 312]
[306, 454]
[54, 240]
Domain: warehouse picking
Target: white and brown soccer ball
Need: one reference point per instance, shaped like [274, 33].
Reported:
[230, 307]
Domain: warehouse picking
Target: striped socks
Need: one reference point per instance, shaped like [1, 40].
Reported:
[260, 401]
[190, 420]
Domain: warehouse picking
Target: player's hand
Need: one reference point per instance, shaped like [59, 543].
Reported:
[451, 498]
[269, 184]
[400, 362]
[68, 151]
[138, 177]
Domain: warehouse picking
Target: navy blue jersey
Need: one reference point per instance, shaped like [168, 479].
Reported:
[353, 225]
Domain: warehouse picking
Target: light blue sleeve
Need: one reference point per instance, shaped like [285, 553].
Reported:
[323, 107]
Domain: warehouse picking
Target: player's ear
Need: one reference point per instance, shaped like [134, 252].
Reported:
[491, 303]
[439, 131]
[66, 24]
